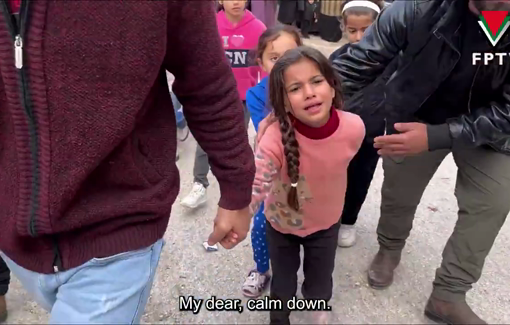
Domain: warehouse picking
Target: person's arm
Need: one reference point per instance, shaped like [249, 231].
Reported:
[484, 125]
[381, 43]
[338, 52]
[268, 159]
[206, 87]
[256, 107]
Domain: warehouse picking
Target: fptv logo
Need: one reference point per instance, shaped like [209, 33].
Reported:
[494, 24]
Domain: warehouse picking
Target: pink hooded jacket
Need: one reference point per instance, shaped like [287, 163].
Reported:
[238, 42]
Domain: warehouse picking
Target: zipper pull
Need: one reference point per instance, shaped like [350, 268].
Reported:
[55, 269]
[18, 52]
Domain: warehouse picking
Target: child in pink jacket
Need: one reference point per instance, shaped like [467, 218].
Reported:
[240, 31]
[301, 177]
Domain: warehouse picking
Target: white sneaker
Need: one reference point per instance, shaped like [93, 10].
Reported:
[196, 197]
[256, 283]
[346, 236]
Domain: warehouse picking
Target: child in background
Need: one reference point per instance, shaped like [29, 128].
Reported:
[273, 43]
[357, 16]
[301, 175]
[239, 31]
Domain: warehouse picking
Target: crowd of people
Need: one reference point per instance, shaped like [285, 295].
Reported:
[79, 208]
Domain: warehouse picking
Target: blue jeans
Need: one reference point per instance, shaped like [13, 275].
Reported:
[109, 290]
[179, 115]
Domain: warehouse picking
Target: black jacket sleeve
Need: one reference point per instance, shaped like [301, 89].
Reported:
[338, 52]
[380, 45]
[489, 125]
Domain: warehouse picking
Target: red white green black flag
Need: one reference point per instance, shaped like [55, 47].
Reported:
[494, 24]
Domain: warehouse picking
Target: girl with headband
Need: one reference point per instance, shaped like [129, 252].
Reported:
[357, 16]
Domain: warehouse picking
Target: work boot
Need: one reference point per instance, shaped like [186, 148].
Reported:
[453, 313]
[380, 273]
[3, 309]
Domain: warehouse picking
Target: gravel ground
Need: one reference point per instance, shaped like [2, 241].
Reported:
[186, 269]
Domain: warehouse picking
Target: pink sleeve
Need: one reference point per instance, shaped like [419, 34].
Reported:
[268, 162]
[358, 129]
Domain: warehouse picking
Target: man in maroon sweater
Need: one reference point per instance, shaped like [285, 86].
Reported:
[88, 145]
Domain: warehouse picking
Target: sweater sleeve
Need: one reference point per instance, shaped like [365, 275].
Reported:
[268, 161]
[206, 87]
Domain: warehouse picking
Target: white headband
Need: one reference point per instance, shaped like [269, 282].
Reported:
[362, 3]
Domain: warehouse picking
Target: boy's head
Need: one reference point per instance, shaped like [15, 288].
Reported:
[357, 16]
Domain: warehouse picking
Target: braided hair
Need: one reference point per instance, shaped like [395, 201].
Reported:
[281, 107]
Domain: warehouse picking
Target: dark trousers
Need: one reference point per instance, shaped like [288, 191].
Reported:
[318, 266]
[359, 176]
[306, 25]
[5, 278]
[481, 189]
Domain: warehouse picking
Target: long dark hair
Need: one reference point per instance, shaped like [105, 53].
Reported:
[278, 100]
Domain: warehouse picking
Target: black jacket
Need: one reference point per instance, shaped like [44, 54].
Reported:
[369, 102]
[410, 30]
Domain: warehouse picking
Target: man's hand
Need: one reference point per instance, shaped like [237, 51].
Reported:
[411, 141]
[230, 227]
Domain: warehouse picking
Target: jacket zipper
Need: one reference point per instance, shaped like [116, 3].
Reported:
[471, 89]
[17, 31]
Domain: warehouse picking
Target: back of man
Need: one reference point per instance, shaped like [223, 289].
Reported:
[88, 143]
[438, 102]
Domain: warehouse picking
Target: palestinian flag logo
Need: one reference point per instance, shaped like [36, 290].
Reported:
[494, 24]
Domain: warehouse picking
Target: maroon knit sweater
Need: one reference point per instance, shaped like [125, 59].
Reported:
[87, 129]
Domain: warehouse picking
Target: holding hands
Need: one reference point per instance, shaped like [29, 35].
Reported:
[230, 227]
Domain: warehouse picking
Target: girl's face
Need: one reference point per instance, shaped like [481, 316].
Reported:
[234, 8]
[309, 96]
[275, 49]
[355, 25]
